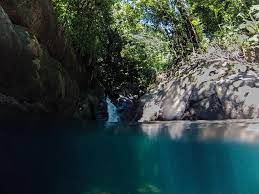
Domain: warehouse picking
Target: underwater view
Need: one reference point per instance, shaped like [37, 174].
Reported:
[110, 158]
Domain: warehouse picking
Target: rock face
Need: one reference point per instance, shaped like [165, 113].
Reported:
[126, 109]
[214, 88]
[38, 17]
[38, 70]
[93, 106]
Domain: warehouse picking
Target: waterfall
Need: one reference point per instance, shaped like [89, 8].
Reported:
[113, 116]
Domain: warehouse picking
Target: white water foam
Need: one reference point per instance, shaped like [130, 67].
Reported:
[112, 112]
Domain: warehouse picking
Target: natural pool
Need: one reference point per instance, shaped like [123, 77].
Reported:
[103, 158]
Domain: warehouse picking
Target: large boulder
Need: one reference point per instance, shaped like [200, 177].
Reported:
[39, 18]
[92, 107]
[126, 109]
[18, 71]
[209, 88]
[29, 75]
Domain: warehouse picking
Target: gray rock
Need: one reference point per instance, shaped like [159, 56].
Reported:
[239, 95]
[209, 108]
[214, 89]
[29, 74]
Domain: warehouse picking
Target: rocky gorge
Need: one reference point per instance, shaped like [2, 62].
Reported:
[40, 74]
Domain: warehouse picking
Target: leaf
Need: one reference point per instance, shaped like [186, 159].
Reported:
[251, 29]
[195, 22]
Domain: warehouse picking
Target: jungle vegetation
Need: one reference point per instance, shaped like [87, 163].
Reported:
[129, 42]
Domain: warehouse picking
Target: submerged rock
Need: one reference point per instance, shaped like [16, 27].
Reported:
[214, 88]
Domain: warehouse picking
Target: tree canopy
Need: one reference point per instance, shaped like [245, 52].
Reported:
[128, 42]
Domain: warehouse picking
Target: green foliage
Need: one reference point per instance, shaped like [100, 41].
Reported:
[86, 22]
[143, 46]
[242, 38]
[167, 24]
[98, 31]
[250, 30]
[251, 25]
[216, 13]
[173, 21]
[128, 42]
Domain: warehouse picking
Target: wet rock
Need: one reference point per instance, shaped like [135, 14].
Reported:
[9, 106]
[102, 111]
[93, 105]
[126, 109]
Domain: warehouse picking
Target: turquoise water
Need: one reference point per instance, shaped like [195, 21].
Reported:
[163, 158]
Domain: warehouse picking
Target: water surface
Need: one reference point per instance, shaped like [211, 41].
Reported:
[167, 158]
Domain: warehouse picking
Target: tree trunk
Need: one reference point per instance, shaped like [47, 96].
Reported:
[191, 32]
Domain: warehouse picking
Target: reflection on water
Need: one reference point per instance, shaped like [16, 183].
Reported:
[163, 158]
[240, 130]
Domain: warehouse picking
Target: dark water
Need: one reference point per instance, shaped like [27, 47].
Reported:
[166, 158]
